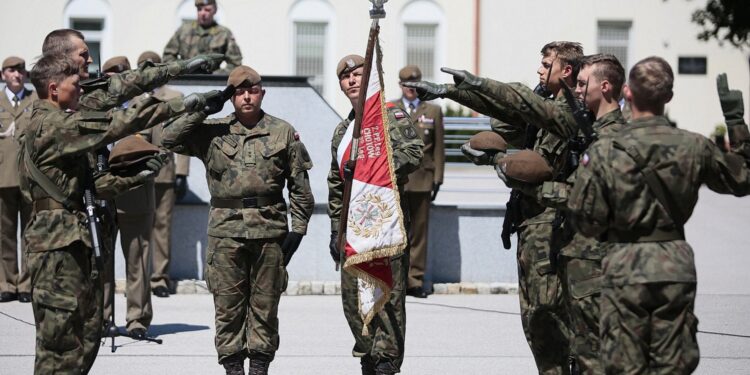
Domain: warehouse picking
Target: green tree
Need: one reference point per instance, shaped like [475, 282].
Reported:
[725, 21]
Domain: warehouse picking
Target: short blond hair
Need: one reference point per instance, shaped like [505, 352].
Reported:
[650, 82]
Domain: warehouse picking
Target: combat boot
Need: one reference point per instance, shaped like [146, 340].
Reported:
[385, 368]
[368, 366]
[258, 366]
[234, 365]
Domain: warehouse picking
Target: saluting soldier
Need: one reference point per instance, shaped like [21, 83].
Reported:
[250, 156]
[636, 191]
[15, 113]
[382, 352]
[170, 185]
[55, 169]
[425, 182]
[204, 36]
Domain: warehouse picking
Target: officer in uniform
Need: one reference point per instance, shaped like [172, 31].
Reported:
[382, 352]
[425, 182]
[15, 112]
[54, 171]
[204, 36]
[636, 191]
[135, 219]
[543, 313]
[249, 156]
[169, 185]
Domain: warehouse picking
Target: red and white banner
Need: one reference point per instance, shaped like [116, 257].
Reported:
[375, 227]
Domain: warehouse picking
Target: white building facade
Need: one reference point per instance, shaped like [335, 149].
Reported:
[499, 39]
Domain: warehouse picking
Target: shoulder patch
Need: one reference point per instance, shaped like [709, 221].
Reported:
[399, 114]
[296, 136]
[585, 159]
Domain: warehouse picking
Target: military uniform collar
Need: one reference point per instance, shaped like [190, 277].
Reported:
[649, 121]
[612, 117]
[261, 128]
[204, 30]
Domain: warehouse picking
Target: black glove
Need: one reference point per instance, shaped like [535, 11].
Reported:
[480, 157]
[180, 186]
[731, 102]
[196, 102]
[463, 79]
[290, 245]
[203, 63]
[333, 246]
[435, 189]
[428, 90]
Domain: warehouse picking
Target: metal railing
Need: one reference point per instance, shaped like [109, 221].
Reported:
[458, 130]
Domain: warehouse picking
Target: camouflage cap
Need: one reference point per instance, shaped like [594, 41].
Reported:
[410, 73]
[488, 141]
[204, 2]
[14, 62]
[150, 56]
[117, 64]
[131, 150]
[243, 76]
[526, 166]
[349, 63]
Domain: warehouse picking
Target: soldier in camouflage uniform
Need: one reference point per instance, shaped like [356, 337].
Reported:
[382, 352]
[543, 314]
[54, 169]
[249, 156]
[636, 191]
[204, 36]
[599, 83]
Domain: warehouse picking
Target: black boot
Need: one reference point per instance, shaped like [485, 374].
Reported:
[368, 366]
[385, 368]
[234, 365]
[258, 366]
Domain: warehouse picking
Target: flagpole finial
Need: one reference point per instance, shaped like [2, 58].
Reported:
[377, 10]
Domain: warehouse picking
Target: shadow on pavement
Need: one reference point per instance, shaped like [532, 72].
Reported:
[168, 329]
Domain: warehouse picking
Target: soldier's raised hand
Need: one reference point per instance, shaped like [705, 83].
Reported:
[427, 90]
[199, 101]
[731, 101]
[204, 63]
[463, 79]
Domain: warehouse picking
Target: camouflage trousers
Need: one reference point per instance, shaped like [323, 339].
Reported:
[67, 301]
[385, 342]
[649, 328]
[582, 284]
[246, 278]
[543, 314]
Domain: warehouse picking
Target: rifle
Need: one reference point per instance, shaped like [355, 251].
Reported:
[513, 217]
[375, 14]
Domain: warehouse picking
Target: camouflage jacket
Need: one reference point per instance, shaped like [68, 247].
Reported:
[612, 200]
[107, 93]
[515, 105]
[191, 40]
[61, 145]
[407, 156]
[246, 162]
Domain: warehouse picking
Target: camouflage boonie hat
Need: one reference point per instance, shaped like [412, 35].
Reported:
[117, 64]
[410, 73]
[204, 2]
[150, 56]
[488, 141]
[14, 62]
[243, 76]
[131, 150]
[349, 63]
[526, 166]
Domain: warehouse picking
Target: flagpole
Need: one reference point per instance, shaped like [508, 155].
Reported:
[376, 13]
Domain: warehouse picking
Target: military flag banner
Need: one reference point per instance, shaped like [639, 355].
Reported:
[374, 223]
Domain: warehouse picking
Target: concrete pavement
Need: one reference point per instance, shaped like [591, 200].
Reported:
[447, 334]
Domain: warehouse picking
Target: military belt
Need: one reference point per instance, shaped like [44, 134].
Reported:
[46, 204]
[249, 202]
[658, 235]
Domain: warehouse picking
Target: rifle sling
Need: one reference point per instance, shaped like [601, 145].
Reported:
[653, 182]
[44, 182]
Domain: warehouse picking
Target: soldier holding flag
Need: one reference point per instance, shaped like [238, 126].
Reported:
[366, 207]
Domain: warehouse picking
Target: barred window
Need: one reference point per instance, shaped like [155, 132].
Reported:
[309, 52]
[420, 48]
[614, 38]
